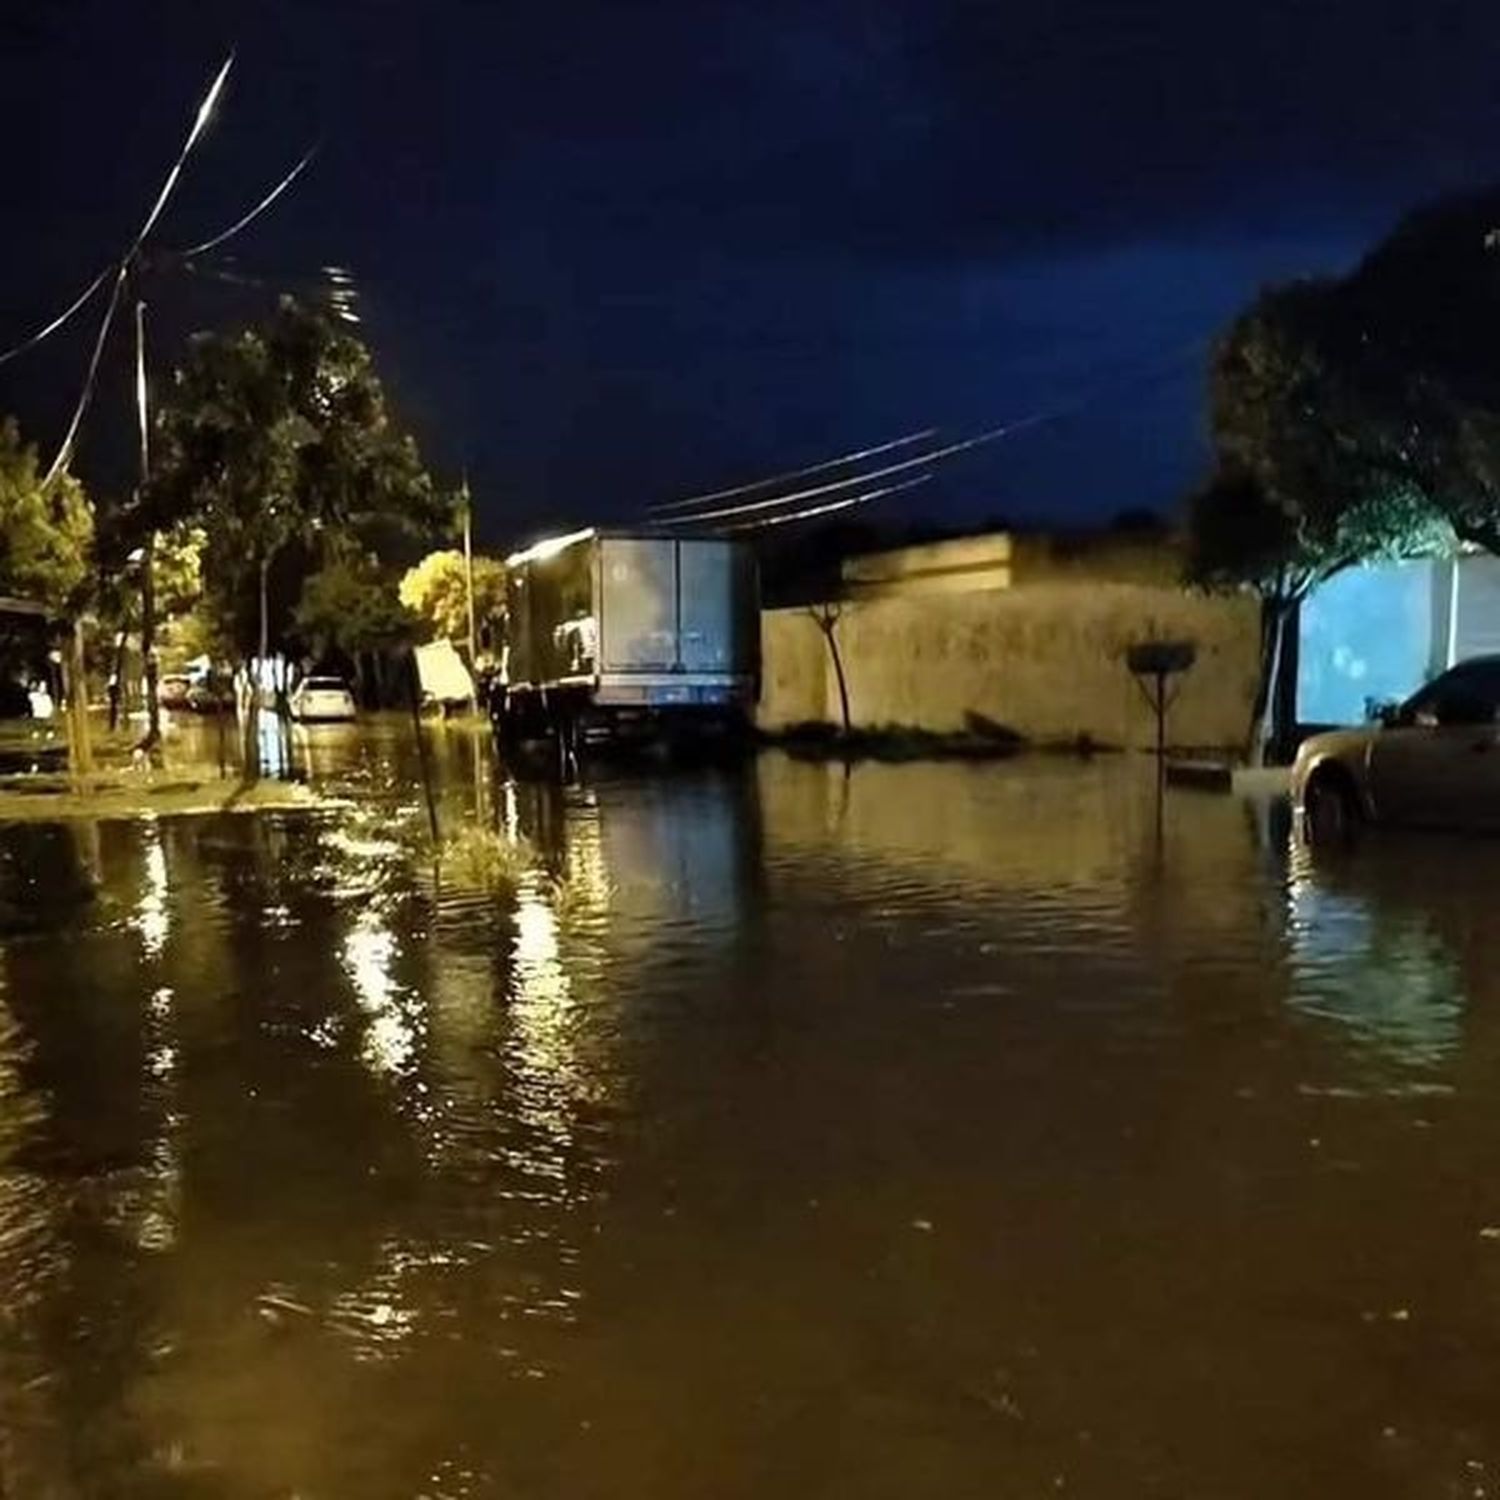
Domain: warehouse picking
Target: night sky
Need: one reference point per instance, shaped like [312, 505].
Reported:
[611, 253]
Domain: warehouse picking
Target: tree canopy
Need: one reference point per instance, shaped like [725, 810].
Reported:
[350, 606]
[46, 531]
[279, 439]
[1367, 407]
[1307, 473]
[436, 590]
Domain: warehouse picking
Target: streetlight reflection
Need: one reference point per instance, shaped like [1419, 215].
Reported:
[369, 955]
[152, 919]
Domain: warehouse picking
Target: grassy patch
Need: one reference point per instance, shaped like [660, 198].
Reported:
[487, 860]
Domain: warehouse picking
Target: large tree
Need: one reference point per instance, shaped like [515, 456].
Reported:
[280, 442]
[46, 531]
[1308, 483]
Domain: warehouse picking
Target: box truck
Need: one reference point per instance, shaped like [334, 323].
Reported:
[615, 633]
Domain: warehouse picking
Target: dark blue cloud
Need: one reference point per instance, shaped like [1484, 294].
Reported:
[614, 253]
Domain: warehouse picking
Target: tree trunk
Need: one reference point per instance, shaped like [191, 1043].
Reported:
[377, 668]
[252, 711]
[829, 627]
[265, 620]
[80, 747]
[249, 711]
[1275, 694]
[117, 679]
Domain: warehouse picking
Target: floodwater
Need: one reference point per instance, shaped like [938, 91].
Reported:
[935, 1130]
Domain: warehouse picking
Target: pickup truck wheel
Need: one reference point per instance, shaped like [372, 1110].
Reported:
[1330, 810]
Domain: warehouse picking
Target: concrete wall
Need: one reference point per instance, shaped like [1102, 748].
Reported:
[1045, 661]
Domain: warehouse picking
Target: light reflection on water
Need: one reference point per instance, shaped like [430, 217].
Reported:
[923, 1130]
[152, 917]
[390, 1034]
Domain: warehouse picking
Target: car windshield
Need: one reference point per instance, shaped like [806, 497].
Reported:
[323, 685]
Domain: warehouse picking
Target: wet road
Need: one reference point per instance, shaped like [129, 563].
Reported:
[930, 1131]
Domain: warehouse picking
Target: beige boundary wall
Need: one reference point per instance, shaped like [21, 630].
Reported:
[1045, 660]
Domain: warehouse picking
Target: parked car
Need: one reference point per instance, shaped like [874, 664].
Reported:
[322, 700]
[1433, 761]
[173, 690]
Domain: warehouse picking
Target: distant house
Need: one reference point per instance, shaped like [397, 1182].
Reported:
[1375, 634]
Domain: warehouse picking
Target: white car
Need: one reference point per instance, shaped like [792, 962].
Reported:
[322, 700]
[1432, 762]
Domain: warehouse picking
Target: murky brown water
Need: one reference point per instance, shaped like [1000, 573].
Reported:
[930, 1132]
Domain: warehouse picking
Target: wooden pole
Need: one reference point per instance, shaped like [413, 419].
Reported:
[469, 589]
[148, 549]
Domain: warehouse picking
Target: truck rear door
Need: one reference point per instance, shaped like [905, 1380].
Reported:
[638, 599]
[706, 606]
[717, 609]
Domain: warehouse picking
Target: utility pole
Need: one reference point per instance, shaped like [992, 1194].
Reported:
[469, 589]
[148, 549]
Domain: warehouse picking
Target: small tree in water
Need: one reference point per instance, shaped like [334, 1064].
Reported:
[826, 617]
[46, 530]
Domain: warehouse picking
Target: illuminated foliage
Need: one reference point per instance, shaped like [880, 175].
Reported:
[436, 590]
[46, 533]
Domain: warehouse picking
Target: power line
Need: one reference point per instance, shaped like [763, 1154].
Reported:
[200, 124]
[65, 448]
[249, 218]
[45, 333]
[1036, 419]
[823, 510]
[122, 270]
[932, 456]
[818, 468]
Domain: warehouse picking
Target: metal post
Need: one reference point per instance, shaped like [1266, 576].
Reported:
[148, 550]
